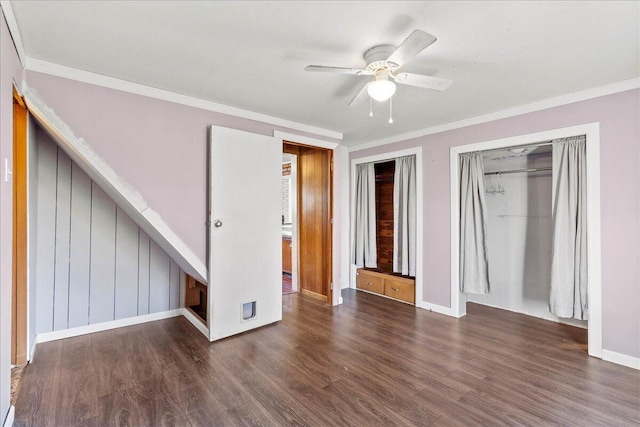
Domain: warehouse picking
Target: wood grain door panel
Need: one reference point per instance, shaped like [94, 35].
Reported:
[314, 204]
[19, 294]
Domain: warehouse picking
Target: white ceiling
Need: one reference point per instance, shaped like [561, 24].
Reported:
[252, 54]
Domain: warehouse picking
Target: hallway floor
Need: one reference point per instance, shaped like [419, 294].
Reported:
[286, 284]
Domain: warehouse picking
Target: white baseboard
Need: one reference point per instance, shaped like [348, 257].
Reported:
[32, 354]
[8, 421]
[544, 316]
[436, 308]
[98, 327]
[621, 359]
[195, 321]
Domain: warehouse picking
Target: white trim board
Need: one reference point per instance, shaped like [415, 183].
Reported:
[31, 342]
[32, 353]
[621, 359]
[10, 17]
[592, 132]
[417, 151]
[292, 137]
[435, 308]
[131, 202]
[8, 421]
[193, 319]
[120, 323]
[105, 326]
[76, 74]
[342, 163]
[584, 95]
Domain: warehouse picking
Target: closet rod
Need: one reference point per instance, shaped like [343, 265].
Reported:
[539, 144]
[518, 171]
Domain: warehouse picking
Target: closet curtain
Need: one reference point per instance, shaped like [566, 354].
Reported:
[474, 263]
[364, 252]
[569, 261]
[404, 216]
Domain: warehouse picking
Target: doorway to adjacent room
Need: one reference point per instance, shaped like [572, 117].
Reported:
[307, 228]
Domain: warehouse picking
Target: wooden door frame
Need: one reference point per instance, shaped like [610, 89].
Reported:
[328, 262]
[19, 309]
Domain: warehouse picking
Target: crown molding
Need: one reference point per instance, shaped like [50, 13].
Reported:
[584, 95]
[76, 74]
[10, 17]
[286, 136]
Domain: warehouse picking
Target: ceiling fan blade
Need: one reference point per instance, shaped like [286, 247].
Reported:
[414, 44]
[339, 70]
[419, 80]
[362, 91]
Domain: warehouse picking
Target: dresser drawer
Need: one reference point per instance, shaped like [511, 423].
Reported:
[370, 282]
[401, 289]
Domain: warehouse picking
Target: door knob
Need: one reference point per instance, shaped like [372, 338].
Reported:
[217, 223]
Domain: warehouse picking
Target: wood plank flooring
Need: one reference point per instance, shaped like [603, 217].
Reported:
[287, 286]
[369, 362]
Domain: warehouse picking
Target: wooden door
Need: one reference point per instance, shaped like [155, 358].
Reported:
[314, 219]
[19, 298]
[245, 261]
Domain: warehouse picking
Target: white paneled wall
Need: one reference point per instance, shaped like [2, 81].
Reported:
[93, 263]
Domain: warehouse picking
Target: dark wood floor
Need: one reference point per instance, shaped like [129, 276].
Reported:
[368, 362]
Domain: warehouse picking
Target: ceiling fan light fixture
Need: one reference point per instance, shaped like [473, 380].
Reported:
[381, 90]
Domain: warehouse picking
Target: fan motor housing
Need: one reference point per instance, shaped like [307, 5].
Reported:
[376, 58]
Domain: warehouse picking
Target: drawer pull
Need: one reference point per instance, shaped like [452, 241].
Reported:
[394, 289]
[368, 283]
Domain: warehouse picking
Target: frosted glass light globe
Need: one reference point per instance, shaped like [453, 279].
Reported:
[381, 90]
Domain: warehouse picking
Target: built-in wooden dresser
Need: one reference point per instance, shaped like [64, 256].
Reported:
[396, 287]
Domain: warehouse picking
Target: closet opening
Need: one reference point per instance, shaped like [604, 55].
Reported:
[519, 191]
[386, 236]
[525, 235]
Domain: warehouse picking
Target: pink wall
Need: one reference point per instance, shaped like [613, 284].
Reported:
[10, 70]
[619, 117]
[158, 147]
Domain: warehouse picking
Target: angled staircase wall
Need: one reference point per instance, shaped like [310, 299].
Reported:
[93, 263]
[127, 198]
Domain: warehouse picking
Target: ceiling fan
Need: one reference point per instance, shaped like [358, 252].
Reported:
[383, 63]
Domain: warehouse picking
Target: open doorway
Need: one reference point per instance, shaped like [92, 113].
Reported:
[307, 232]
[289, 224]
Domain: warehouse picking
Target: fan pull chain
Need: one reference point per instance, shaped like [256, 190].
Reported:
[390, 109]
[370, 107]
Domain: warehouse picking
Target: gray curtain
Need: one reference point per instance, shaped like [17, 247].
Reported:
[569, 262]
[364, 252]
[404, 216]
[474, 263]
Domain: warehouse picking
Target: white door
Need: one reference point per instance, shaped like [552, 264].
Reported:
[245, 256]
